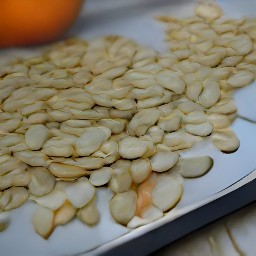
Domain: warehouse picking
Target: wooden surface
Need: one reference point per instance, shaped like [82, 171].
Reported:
[232, 235]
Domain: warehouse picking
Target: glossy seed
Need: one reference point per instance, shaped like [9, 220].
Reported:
[43, 221]
[101, 176]
[123, 206]
[171, 185]
[225, 140]
[164, 160]
[89, 214]
[193, 167]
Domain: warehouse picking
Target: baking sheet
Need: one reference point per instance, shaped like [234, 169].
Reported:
[135, 19]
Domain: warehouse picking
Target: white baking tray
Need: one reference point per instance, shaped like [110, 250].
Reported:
[202, 200]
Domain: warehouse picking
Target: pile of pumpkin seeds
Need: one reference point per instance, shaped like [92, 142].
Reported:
[110, 112]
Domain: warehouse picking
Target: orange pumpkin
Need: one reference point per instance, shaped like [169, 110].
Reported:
[32, 22]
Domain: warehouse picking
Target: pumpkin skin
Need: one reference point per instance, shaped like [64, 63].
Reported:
[33, 22]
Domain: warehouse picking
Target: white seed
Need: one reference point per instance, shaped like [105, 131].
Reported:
[139, 79]
[67, 171]
[33, 158]
[82, 77]
[101, 176]
[121, 179]
[222, 72]
[59, 116]
[40, 68]
[186, 66]
[35, 107]
[250, 58]
[225, 140]
[103, 100]
[170, 81]
[178, 140]
[4, 221]
[149, 92]
[108, 151]
[124, 104]
[71, 96]
[118, 137]
[166, 109]
[209, 11]
[189, 106]
[89, 214]
[150, 146]
[91, 140]
[223, 27]
[80, 192]
[119, 93]
[226, 106]
[41, 182]
[210, 94]
[78, 123]
[123, 206]
[156, 134]
[17, 197]
[86, 163]
[212, 59]
[37, 118]
[195, 117]
[115, 125]
[53, 200]
[136, 222]
[22, 128]
[113, 73]
[5, 198]
[182, 54]
[241, 78]
[9, 164]
[77, 131]
[142, 120]
[193, 167]
[219, 121]
[193, 90]
[202, 130]
[90, 163]
[237, 45]
[203, 47]
[169, 123]
[149, 214]
[246, 66]
[171, 185]
[53, 125]
[152, 213]
[143, 53]
[116, 114]
[43, 221]
[64, 214]
[4, 158]
[164, 160]
[99, 84]
[9, 125]
[57, 146]
[151, 102]
[36, 136]
[132, 147]
[140, 170]
[167, 59]
[12, 104]
[231, 61]
[11, 140]
[14, 178]
[120, 85]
